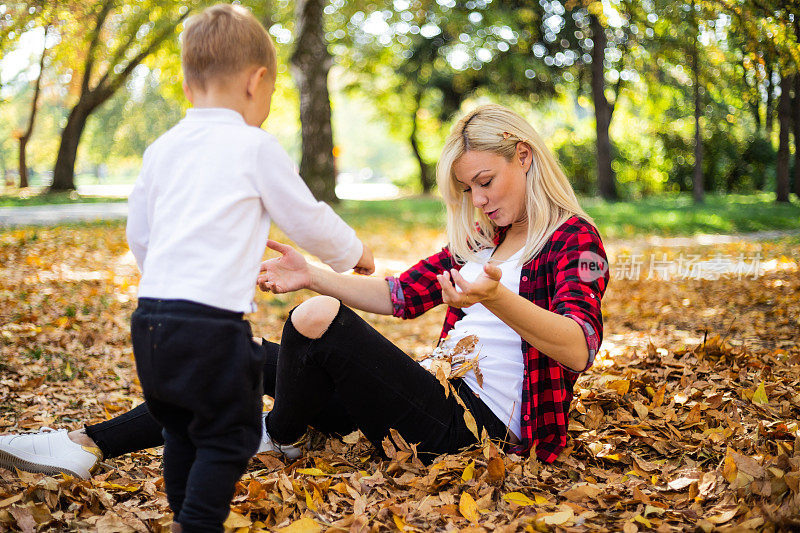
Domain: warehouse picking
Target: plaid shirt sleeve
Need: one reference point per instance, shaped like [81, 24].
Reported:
[581, 276]
[560, 280]
[416, 290]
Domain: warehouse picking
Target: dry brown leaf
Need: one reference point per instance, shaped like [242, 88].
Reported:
[23, 517]
[620, 386]
[236, 520]
[559, 518]
[304, 525]
[468, 508]
[496, 470]
[582, 491]
[760, 395]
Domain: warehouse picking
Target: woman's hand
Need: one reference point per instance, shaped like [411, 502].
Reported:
[485, 287]
[286, 273]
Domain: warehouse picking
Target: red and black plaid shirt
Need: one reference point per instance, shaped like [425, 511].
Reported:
[561, 279]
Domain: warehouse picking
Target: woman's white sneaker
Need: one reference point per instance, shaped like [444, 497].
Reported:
[291, 451]
[48, 452]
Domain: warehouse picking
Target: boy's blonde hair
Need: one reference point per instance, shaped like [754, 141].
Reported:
[549, 201]
[223, 40]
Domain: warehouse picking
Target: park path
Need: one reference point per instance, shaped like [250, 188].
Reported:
[46, 215]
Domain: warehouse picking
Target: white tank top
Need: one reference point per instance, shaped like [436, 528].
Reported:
[499, 347]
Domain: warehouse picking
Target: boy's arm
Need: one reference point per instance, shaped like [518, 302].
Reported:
[138, 228]
[313, 225]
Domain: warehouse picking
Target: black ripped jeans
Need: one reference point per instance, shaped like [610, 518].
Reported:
[352, 377]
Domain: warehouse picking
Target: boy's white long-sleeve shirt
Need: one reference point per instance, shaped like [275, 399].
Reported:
[200, 211]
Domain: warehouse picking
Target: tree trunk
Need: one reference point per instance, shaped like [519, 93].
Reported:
[269, 11]
[4, 169]
[426, 179]
[698, 189]
[784, 121]
[310, 65]
[606, 180]
[25, 137]
[796, 122]
[769, 113]
[64, 171]
[23, 164]
[753, 99]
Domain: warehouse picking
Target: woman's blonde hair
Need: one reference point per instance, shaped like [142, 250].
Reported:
[550, 200]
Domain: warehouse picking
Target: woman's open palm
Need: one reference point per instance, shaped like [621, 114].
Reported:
[484, 287]
[287, 273]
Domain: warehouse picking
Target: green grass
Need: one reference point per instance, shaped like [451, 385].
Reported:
[24, 200]
[672, 215]
[667, 215]
[425, 211]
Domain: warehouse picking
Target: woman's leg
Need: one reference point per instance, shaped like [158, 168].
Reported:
[136, 429]
[328, 351]
[131, 431]
[333, 418]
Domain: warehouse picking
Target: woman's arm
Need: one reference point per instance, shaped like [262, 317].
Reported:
[291, 272]
[361, 292]
[557, 336]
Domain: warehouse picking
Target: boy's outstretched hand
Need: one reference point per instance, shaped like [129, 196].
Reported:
[286, 273]
[365, 265]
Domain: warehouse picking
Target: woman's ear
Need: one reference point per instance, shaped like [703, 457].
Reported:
[524, 155]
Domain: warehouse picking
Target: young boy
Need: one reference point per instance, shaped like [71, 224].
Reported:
[198, 224]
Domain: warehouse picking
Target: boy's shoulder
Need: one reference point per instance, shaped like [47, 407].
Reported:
[164, 139]
[241, 135]
[234, 140]
[263, 136]
[266, 144]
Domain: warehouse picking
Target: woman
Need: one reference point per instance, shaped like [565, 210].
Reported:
[524, 272]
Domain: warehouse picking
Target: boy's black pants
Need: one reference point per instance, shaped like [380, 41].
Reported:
[201, 376]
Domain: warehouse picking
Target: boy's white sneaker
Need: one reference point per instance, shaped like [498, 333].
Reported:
[48, 452]
[291, 451]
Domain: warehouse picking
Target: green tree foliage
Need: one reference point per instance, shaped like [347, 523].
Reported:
[774, 26]
[120, 37]
[611, 84]
[421, 60]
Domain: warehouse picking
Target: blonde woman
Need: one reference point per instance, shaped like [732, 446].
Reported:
[524, 272]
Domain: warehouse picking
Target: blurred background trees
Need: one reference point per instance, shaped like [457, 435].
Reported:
[637, 97]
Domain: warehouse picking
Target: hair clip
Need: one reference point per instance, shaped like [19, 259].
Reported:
[505, 135]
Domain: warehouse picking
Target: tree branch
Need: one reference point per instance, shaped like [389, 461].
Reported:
[119, 55]
[105, 92]
[87, 71]
[37, 87]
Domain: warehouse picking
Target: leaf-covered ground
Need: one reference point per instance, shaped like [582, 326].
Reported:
[687, 421]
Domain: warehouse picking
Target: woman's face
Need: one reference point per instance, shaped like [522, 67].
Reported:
[497, 186]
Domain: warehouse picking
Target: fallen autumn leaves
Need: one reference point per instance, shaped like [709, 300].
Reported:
[687, 420]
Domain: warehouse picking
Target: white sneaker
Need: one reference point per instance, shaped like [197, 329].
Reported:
[291, 451]
[48, 452]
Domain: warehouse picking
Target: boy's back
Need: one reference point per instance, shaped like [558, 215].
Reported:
[200, 212]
